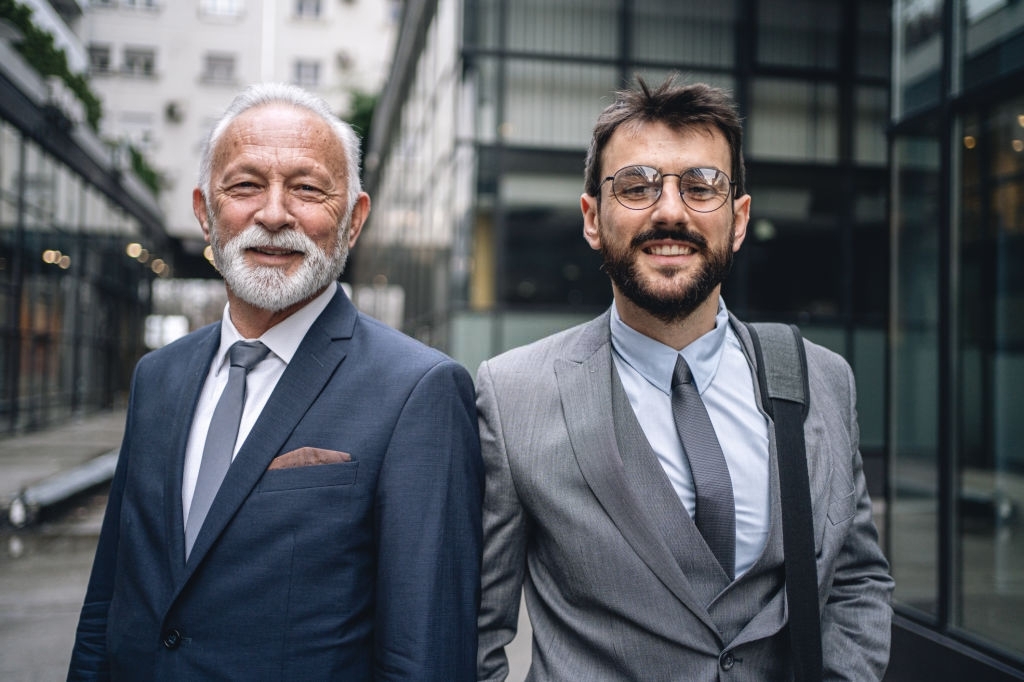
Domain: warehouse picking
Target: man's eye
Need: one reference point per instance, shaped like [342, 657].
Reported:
[700, 191]
[637, 189]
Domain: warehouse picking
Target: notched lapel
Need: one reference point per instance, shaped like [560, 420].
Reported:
[315, 362]
[184, 397]
[584, 385]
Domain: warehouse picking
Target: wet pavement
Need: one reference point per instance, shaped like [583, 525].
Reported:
[44, 569]
[44, 566]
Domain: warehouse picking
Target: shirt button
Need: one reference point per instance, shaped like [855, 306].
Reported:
[172, 638]
[726, 660]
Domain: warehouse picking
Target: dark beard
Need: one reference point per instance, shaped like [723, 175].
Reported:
[674, 306]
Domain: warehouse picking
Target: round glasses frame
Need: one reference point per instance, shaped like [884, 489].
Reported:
[702, 189]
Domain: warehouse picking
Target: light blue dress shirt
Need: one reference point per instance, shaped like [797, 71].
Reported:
[725, 383]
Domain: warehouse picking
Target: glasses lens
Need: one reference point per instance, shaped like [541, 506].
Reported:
[704, 189]
[637, 186]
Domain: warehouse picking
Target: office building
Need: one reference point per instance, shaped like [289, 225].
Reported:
[883, 149]
[956, 339]
[74, 293]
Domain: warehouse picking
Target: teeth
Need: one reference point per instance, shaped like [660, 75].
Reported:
[671, 250]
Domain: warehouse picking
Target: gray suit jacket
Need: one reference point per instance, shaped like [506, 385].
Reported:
[616, 580]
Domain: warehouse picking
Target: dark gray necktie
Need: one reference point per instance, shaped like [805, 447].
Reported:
[220, 440]
[715, 516]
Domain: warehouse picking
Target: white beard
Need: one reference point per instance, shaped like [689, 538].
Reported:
[271, 288]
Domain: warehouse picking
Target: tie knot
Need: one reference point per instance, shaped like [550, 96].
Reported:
[247, 354]
[681, 374]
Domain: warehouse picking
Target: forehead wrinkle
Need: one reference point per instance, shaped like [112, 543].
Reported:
[301, 146]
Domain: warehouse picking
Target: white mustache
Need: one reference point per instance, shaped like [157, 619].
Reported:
[255, 237]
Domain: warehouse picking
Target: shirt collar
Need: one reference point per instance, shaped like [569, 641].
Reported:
[655, 361]
[283, 338]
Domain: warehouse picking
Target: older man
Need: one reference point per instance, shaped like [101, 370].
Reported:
[337, 536]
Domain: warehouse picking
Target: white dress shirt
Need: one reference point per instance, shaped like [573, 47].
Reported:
[723, 378]
[283, 340]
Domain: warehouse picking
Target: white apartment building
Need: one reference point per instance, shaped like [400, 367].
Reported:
[165, 69]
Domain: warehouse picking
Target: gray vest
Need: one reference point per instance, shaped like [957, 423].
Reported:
[758, 593]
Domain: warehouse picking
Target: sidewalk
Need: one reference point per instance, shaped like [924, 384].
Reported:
[44, 467]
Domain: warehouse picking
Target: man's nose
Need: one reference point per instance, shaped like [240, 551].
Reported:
[274, 214]
[670, 208]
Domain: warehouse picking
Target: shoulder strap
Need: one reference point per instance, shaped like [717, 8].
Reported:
[782, 377]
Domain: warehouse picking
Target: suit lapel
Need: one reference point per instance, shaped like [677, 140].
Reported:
[183, 399]
[315, 361]
[664, 509]
[584, 377]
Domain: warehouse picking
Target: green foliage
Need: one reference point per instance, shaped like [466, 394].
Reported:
[360, 115]
[38, 49]
[144, 171]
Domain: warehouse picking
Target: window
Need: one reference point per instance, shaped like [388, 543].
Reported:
[139, 61]
[99, 58]
[144, 4]
[307, 73]
[224, 8]
[219, 68]
[307, 8]
[990, 354]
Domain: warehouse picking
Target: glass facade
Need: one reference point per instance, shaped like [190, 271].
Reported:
[476, 164]
[957, 328]
[885, 154]
[72, 301]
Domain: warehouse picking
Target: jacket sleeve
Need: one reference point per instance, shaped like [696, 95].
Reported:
[89, 657]
[427, 521]
[856, 617]
[505, 540]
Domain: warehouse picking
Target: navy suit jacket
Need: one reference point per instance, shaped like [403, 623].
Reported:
[360, 570]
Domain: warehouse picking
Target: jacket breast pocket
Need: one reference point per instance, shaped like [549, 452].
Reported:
[314, 476]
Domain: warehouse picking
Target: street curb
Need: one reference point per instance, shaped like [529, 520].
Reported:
[25, 507]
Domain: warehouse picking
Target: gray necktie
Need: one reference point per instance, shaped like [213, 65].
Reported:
[715, 516]
[220, 440]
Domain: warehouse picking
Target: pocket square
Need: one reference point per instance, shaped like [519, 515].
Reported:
[305, 457]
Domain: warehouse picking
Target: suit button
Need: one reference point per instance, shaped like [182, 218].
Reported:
[726, 660]
[172, 638]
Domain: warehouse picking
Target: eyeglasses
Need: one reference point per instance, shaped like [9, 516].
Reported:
[702, 189]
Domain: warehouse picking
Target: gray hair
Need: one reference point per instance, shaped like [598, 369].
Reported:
[281, 93]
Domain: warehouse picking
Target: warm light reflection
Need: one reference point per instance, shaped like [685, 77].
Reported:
[143, 256]
[64, 262]
[51, 256]
[133, 250]
[208, 253]
[1018, 145]
[970, 142]
[158, 266]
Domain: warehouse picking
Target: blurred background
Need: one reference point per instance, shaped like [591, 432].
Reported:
[885, 158]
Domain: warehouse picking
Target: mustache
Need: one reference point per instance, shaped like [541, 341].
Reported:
[255, 237]
[660, 233]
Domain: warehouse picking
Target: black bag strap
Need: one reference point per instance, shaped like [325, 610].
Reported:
[782, 376]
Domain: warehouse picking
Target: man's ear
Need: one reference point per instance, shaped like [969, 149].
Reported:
[202, 215]
[360, 212]
[740, 219]
[591, 221]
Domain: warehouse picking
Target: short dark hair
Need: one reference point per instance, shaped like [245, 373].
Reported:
[678, 107]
